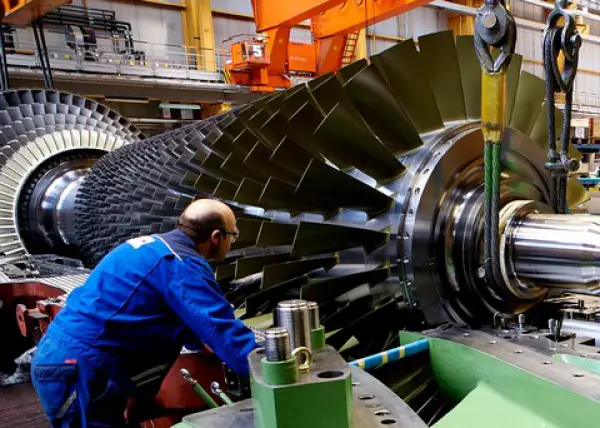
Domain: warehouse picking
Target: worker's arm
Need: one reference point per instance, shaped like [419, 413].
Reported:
[196, 297]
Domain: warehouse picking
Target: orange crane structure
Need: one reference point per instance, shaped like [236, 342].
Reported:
[24, 12]
[264, 61]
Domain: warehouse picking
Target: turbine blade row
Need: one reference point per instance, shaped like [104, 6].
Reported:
[38, 129]
[312, 173]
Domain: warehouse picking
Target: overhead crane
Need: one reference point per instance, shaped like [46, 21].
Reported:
[333, 26]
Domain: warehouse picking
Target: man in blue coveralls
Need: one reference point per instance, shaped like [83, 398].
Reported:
[122, 330]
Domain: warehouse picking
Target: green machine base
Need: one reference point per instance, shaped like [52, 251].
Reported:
[320, 397]
[373, 405]
[498, 383]
[481, 379]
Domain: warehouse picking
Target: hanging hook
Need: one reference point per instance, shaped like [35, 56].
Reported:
[494, 28]
[566, 39]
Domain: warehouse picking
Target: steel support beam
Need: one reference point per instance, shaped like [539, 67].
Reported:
[198, 32]
[464, 24]
[157, 3]
[353, 16]
[4, 79]
[276, 13]
[361, 45]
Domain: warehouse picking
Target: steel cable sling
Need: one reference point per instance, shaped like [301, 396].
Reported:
[566, 40]
[495, 28]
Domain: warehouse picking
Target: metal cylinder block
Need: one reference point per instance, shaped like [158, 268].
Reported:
[277, 344]
[293, 315]
[313, 313]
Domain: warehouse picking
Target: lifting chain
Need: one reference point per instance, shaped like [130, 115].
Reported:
[495, 31]
[558, 39]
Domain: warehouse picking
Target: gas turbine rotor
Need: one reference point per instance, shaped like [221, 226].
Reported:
[48, 142]
[362, 190]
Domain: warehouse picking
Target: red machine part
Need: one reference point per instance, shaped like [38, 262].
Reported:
[31, 320]
[177, 395]
[35, 306]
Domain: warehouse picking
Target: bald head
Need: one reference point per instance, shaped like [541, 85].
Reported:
[204, 216]
[205, 207]
[211, 224]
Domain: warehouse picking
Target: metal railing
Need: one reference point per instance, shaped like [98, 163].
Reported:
[583, 102]
[110, 55]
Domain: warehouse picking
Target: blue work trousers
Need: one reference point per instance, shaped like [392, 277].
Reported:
[71, 394]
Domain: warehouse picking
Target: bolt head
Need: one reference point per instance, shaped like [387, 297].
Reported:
[481, 272]
[576, 40]
[489, 20]
[573, 165]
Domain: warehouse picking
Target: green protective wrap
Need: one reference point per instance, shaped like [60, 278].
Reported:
[279, 372]
[317, 338]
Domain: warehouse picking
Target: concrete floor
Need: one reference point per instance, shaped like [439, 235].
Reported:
[20, 407]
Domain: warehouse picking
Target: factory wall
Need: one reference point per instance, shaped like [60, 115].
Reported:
[157, 31]
[242, 7]
[149, 23]
[225, 27]
[587, 79]
[529, 44]
[413, 24]
[163, 26]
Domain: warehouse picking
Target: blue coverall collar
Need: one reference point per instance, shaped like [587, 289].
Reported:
[180, 243]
